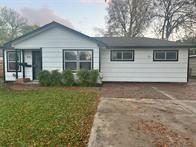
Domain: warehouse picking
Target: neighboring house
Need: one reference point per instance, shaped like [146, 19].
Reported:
[192, 66]
[56, 47]
[1, 62]
[1, 54]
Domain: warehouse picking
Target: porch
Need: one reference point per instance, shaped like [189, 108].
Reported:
[22, 64]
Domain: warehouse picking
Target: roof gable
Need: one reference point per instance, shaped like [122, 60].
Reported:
[45, 28]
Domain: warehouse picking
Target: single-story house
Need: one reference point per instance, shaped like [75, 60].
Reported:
[119, 59]
[193, 66]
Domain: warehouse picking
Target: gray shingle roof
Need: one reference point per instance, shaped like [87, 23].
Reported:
[140, 42]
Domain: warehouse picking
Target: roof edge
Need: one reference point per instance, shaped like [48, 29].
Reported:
[173, 46]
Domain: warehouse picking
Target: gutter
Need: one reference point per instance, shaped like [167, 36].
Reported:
[175, 46]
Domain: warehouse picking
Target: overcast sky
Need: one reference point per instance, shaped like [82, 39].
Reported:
[82, 15]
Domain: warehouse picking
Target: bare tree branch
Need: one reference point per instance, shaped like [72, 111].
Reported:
[128, 17]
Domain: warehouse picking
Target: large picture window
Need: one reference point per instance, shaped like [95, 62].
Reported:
[165, 55]
[122, 55]
[77, 59]
[11, 61]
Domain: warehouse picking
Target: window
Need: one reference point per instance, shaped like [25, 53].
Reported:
[122, 55]
[192, 51]
[78, 59]
[163, 55]
[11, 61]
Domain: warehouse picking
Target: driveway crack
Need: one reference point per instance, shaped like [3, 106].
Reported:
[176, 101]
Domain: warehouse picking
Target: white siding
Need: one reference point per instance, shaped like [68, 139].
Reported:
[56, 38]
[143, 68]
[52, 42]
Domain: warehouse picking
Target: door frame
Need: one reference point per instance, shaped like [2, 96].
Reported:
[33, 53]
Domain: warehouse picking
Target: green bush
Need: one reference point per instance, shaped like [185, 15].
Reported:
[68, 78]
[94, 74]
[56, 78]
[44, 77]
[83, 77]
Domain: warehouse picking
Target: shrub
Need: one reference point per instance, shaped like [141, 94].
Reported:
[83, 77]
[68, 78]
[44, 78]
[94, 74]
[56, 78]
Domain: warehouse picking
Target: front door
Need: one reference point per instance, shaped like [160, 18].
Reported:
[37, 63]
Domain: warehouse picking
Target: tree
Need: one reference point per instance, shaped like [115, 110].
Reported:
[28, 28]
[12, 25]
[128, 18]
[174, 15]
[11, 22]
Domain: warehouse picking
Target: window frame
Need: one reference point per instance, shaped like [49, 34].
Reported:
[126, 60]
[19, 61]
[78, 61]
[165, 60]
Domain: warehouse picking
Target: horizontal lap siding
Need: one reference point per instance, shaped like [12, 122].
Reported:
[144, 69]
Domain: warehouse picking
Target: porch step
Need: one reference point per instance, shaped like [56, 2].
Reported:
[34, 82]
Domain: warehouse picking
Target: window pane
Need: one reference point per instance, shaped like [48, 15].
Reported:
[160, 55]
[116, 55]
[71, 65]
[171, 55]
[85, 55]
[12, 66]
[85, 65]
[12, 55]
[70, 55]
[127, 55]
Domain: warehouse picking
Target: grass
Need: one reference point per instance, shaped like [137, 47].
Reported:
[52, 117]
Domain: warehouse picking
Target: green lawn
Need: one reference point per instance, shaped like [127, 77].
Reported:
[52, 117]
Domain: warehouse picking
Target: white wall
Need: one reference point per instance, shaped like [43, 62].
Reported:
[144, 69]
[55, 38]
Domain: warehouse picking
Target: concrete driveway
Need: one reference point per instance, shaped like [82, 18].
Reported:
[145, 115]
